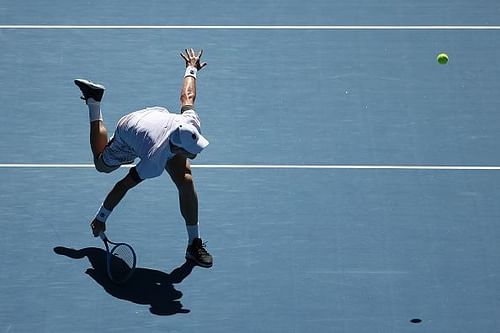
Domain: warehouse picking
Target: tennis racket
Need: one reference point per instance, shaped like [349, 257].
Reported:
[120, 260]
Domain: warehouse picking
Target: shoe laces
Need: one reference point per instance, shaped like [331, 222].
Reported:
[200, 248]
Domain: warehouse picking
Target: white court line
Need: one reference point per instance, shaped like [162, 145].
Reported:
[260, 27]
[269, 166]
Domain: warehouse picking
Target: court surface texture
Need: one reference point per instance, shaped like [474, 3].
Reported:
[351, 183]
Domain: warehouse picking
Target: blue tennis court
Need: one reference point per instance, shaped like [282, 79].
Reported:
[350, 185]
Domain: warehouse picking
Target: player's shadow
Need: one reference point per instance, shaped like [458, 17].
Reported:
[146, 286]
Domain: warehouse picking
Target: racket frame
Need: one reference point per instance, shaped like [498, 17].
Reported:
[109, 257]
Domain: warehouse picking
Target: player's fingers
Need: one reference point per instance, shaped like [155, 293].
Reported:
[95, 232]
[200, 54]
[184, 57]
[203, 65]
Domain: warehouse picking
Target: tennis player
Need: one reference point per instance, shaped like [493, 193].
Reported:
[162, 141]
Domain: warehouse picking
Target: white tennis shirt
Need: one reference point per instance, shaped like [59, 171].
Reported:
[146, 133]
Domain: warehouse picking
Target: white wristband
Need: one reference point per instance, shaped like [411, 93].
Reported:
[102, 214]
[191, 71]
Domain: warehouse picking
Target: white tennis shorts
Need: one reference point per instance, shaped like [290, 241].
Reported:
[115, 154]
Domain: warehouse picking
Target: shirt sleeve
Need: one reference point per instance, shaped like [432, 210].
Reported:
[192, 118]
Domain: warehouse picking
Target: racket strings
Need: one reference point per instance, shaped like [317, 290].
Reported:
[125, 254]
[122, 263]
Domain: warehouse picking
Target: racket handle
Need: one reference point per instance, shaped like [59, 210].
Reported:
[103, 236]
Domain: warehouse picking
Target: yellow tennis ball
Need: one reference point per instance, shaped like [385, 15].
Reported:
[442, 58]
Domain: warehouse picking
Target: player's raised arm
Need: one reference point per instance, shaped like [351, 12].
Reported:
[193, 65]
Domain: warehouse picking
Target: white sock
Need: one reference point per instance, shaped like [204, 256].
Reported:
[94, 110]
[193, 232]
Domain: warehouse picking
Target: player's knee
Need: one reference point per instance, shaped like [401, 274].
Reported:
[184, 182]
[187, 180]
[102, 167]
[180, 172]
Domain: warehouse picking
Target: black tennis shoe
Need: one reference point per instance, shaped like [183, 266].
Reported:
[90, 90]
[197, 253]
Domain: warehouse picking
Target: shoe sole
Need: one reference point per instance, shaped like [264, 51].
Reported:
[89, 84]
[90, 89]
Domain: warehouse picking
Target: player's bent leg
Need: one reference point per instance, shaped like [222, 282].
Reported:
[98, 137]
[101, 166]
[179, 170]
[114, 154]
[92, 93]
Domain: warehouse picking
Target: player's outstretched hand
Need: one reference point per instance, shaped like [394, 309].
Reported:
[193, 59]
[97, 226]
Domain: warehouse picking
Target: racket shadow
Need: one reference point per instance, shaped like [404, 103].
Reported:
[146, 286]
